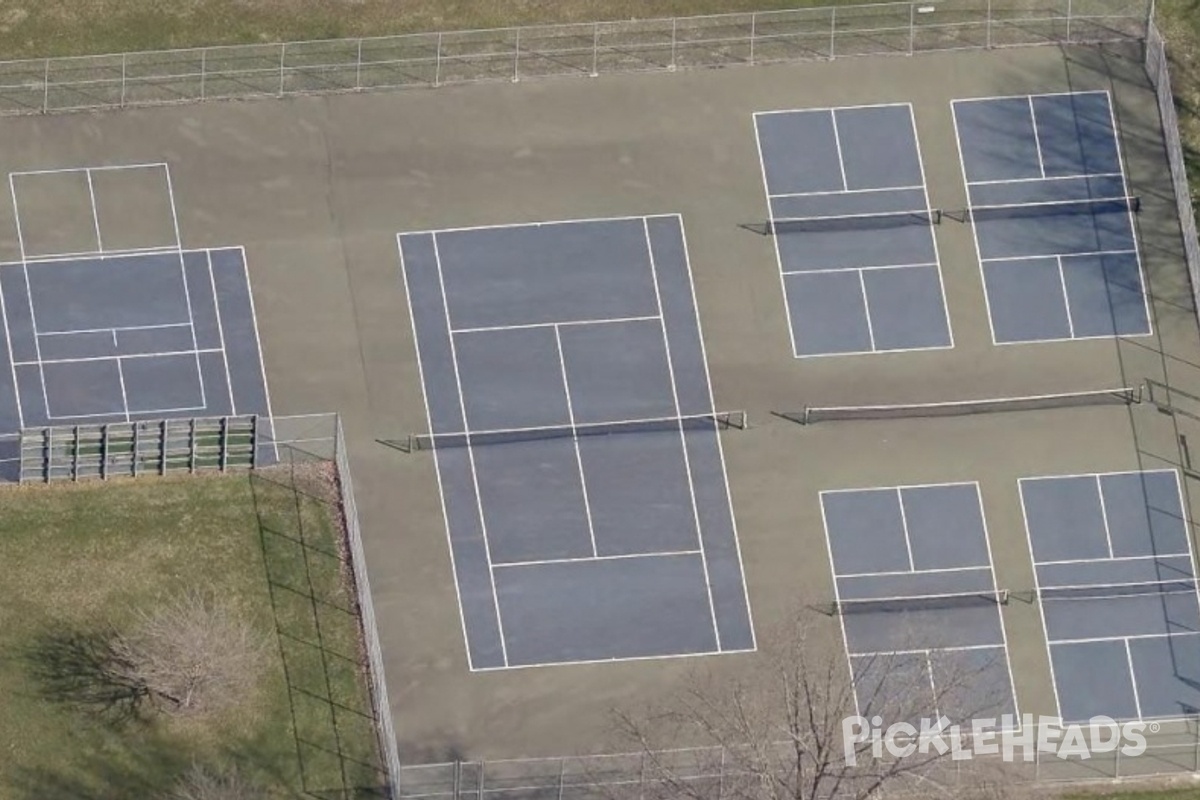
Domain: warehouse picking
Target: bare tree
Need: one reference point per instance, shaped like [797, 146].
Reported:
[776, 731]
[190, 655]
[202, 783]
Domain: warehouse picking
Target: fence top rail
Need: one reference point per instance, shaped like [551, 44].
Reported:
[648, 21]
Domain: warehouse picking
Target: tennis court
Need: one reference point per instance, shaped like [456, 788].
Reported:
[1053, 217]
[918, 601]
[1117, 586]
[851, 220]
[106, 318]
[577, 447]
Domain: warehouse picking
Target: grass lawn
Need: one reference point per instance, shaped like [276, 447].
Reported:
[79, 558]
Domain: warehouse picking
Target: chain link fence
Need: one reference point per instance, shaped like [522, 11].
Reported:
[1173, 748]
[436, 59]
[1158, 69]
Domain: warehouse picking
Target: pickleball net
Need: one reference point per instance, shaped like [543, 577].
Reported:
[958, 408]
[852, 222]
[718, 421]
[915, 603]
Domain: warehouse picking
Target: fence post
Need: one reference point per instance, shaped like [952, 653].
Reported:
[482, 764]
[833, 31]
[282, 63]
[753, 34]
[46, 89]
[595, 49]
[562, 777]
[358, 67]
[989, 24]
[912, 27]
[674, 41]
[1069, 10]
[124, 71]
[203, 71]
[437, 69]
[104, 452]
[517, 57]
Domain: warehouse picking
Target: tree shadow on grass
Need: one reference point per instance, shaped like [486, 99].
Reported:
[78, 668]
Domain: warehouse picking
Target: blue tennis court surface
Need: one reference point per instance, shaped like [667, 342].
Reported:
[918, 601]
[1052, 218]
[570, 547]
[1117, 587]
[127, 337]
[852, 228]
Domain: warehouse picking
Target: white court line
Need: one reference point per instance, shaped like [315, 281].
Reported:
[837, 599]
[124, 396]
[109, 358]
[1062, 282]
[593, 559]
[538, 224]
[37, 348]
[912, 565]
[107, 255]
[95, 210]
[262, 369]
[932, 683]
[1037, 588]
[1032, 478]
[1037, 137]
[1079, 177]
[587, 505]
[985, 98]
[1133, 230]
[883, 190]
[11, 365]
[462, 409]
[110, 168]
[787, 307]
[826, 108]
[1080, 561]
[962, 164]
[924, 571]
[862, 286]
[147, 413]
[687, 461]
[935, 485]
[562, 324]
[965, 648]
[1104, 517]
[628, 659]
[212, 282]
[1137, 637]
[837, 141]
[737, 545]
[187, 293]
[119, 328]
[1001, 259]
[854, 269]
[987, 540]
[462, 618]
[937, 253]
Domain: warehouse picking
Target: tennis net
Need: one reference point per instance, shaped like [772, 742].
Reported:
[1055, 208]
[722, 420]
[911, 603]
[853, 222]
[959, 408]
[1119, 591]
